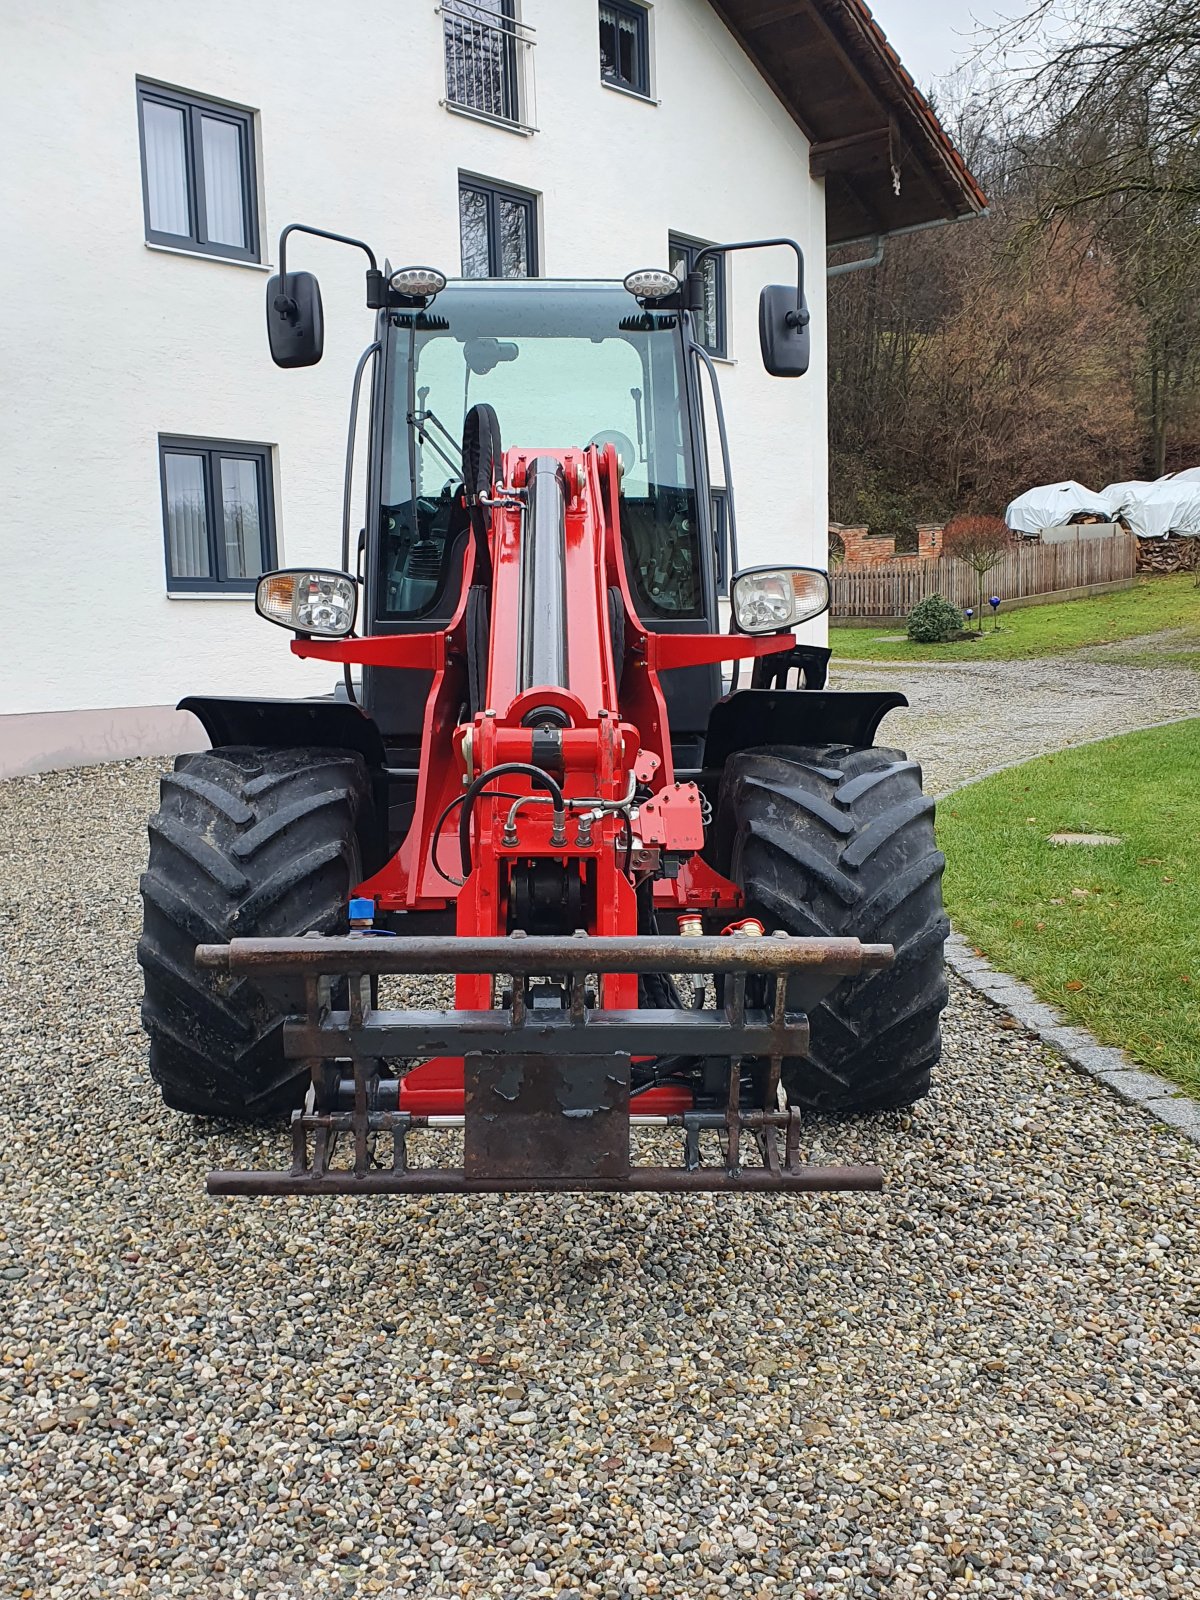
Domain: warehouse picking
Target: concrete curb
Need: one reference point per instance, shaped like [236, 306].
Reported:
[1107, 1065]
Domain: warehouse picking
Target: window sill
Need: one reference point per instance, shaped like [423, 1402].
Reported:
[523, 128]
[203, 255]
[630, 94]
[210, 594]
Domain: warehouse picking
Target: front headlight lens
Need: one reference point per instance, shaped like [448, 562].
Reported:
[766, 599]
[308, 601]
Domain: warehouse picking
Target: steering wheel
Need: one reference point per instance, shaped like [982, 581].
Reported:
[624, 446]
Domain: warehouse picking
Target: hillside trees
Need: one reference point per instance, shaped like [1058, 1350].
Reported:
[975, 364]
[1060, 336]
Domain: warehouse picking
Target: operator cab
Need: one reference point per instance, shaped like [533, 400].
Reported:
[553, 363]
[574, 363]
[568, 363]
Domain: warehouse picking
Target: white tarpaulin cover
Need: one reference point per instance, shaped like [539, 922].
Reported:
[1129, 502]
[1153, 510]
[1052, 504]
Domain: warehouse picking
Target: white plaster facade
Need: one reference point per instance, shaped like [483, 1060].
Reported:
[108, 342]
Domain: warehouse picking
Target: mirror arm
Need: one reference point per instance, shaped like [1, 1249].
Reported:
[376, 289]
[799, 318]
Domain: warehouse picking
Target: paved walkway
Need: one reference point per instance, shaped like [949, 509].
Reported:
[966, 717]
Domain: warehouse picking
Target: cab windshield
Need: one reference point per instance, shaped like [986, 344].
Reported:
[562, 364]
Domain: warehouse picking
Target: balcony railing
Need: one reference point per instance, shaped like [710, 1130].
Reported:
[489, 63]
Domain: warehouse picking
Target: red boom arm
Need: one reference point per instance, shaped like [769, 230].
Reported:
[604, 746]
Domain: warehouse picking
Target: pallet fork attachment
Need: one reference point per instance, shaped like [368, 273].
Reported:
[547, 1089]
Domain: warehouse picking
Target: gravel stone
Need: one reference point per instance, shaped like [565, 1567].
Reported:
[985, 1381]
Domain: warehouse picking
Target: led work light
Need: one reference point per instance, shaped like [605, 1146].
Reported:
[651, 283]
[418, 283]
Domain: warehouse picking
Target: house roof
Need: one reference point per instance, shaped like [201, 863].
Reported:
[871, 129]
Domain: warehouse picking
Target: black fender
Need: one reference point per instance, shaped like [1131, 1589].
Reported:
[303, 725]
[750, 717]
[289, 725]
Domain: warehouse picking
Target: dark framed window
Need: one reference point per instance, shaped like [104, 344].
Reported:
[198, 180]
[498, 229]
[682, 253]
[218, 513]
[483, 41]
[624, 46]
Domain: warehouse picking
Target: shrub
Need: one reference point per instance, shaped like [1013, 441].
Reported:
[934, 621]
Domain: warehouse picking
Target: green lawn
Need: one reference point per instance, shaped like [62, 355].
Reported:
[1154, 604]
[1109, 934]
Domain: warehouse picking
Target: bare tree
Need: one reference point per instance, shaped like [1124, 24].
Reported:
[1108, 135]
[972, 364]
[981, 542]
[1087, 65]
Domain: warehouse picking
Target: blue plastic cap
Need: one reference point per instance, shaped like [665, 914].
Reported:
[362, 910]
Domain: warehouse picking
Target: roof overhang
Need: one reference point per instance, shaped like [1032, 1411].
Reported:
[887, 162]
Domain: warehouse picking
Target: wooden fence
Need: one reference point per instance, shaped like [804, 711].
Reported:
[893, 588]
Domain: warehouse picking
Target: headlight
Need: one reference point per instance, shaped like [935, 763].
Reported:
[765, 599]
[308, 601]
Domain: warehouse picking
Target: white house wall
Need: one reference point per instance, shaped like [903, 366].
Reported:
[109, 342]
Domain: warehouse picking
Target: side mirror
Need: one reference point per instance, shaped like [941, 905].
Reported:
[295, 322]
[782, 335]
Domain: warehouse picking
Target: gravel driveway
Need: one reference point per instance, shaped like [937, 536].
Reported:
[984, 1381]
[966, 717]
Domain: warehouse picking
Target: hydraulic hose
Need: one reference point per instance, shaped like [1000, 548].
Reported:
[481, 782]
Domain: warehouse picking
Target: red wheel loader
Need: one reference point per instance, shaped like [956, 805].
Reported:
[667, 905]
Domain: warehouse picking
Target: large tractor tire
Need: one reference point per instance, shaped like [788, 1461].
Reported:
[827, 840]
[248, 843]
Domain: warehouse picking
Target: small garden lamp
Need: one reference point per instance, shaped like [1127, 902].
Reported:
[968, 613]
[994, 602]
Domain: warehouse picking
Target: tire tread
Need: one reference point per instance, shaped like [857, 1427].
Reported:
[830, 841]
[246, 841]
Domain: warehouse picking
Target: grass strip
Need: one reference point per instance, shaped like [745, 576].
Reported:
[1109, 934]
[1153, 605]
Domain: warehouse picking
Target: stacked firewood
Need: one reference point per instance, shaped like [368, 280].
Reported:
[1172, 554]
